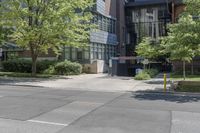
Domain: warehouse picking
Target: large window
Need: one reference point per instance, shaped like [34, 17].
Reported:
[105, 23]
[102, 51]
[149, 22]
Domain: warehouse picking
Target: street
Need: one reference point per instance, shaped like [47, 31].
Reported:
[45, 110]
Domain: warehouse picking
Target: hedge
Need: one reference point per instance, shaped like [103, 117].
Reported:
[25, 66]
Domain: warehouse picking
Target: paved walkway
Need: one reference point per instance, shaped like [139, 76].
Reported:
[45, 110]
[93, 82]
[156, 83]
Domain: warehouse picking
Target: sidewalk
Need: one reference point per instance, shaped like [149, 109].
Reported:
[92, 82]
[156, 83]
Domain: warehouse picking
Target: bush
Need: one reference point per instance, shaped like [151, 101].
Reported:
[142, 76]
[24, 75]
[25, 66]
[152, 72]
[68, 68]
[43, 65]
[50, 70]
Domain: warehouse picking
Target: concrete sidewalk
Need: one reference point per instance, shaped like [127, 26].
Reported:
[156, 83]
[92, 82]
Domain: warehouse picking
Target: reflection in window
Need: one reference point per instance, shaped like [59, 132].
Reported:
[105, 23]
[150, 22]
[102, 51]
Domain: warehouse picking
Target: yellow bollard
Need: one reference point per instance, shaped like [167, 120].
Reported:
[165, 82]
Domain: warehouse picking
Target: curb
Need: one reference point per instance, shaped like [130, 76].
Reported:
[170, 93]
[22, 85]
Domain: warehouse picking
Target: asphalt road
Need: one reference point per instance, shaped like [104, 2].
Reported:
[42, 110]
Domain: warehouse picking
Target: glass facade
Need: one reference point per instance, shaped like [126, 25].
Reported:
[96, 51]
[148, 21]
[104, 23]
[102, 51]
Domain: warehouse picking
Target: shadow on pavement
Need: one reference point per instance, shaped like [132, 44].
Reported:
[168, 96]
[115, 77]
[157, 82]
[10, 80]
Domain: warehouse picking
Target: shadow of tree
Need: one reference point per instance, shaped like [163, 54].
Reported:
[15, 80]
[170, 97]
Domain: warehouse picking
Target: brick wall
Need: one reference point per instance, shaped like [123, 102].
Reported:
[110, 9]
[27, 54]
[178, 10]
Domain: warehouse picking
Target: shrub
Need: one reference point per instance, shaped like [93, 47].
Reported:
[50, 70]
[68, 68]
[25, 66]
[43, 65]
[152, 72]
[142, 76]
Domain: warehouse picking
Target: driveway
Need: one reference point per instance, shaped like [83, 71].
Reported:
[53, 110]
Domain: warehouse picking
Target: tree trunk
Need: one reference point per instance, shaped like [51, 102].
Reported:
[34, 66]
[184, 75]
[34, 56]
[192, 67]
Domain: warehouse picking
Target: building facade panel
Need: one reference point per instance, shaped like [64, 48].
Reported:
[101, 7]
[121, 27]
[111, 8]
[103, 37]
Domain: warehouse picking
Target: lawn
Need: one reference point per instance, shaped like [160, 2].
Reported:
[188, 86]
[191, 84]
[25, 75]
[188, 77]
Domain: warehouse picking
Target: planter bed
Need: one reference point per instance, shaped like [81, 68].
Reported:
[186, 86]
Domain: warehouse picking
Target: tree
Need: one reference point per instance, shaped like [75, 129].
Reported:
[40, 25]
[192, 7]
[149, 48]
[1, 34]
[182, 40]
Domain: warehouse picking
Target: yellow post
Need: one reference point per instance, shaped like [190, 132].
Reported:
[165, 82]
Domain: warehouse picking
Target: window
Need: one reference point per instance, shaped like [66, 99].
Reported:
[67, 53]
[149, 22]
[74, 56]
[105, 23]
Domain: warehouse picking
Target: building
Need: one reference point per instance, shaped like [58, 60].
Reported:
[149, 18]
[121, 25]
[145, 18]
[106, 41]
